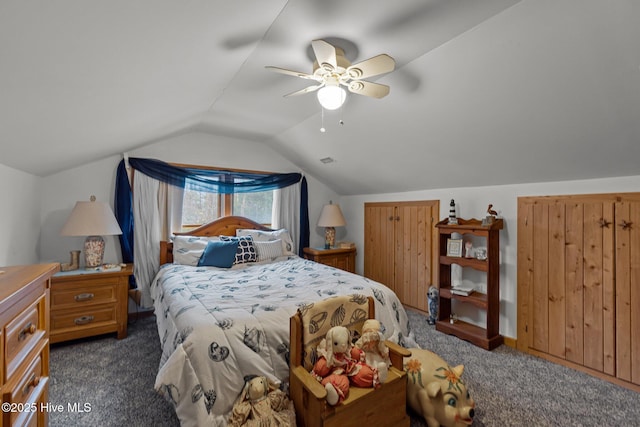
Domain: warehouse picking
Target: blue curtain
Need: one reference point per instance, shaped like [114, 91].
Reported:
[304, 217]
[215, 181]
[123, 209]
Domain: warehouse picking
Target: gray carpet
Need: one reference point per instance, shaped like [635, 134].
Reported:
[116, 377]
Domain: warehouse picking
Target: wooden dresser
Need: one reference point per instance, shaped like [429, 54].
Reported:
[86, 304]
[344, 259]
[24, 360]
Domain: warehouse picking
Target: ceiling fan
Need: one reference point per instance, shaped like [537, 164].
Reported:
[332, 69]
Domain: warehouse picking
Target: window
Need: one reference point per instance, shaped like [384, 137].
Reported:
[201, 207]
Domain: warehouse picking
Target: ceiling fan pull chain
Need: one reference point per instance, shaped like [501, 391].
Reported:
[322, 128]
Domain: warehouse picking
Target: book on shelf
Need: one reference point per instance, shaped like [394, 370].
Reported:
[462, 290]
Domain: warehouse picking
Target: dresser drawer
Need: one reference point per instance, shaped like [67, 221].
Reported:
[22, 334]
[87, 318]
[26, 394]
[65, 296]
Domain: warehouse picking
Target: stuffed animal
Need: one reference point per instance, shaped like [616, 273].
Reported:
[376, 353]
[261, 403]
[340, 365]
[432, 298]
[436, 392]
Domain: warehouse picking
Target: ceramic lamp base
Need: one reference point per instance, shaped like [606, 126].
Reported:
[329, 237]
[93, 252]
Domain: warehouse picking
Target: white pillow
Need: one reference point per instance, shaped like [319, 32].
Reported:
[187, 250]
[268, 250]
[268, 236]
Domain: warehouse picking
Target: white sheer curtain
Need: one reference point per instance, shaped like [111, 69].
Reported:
[286, 211]
[157, 213]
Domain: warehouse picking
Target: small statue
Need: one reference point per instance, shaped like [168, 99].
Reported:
[467, 249]
[432, 298]
[453, 219]
[489, 219]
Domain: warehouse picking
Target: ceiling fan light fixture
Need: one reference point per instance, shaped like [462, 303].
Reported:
[331, 97]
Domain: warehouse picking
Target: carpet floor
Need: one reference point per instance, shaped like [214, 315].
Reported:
[111, 381]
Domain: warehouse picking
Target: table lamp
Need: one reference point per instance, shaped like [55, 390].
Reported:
[331, 217]
[94, 220]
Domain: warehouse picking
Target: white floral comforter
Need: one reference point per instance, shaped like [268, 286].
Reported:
[218, 325]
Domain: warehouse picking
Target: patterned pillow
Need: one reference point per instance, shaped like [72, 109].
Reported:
[268, 250]
[187, 250]
[246, 251]
[268, 236]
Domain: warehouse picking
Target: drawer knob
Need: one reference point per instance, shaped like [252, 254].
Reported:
[29, 329]
[33, 381]
[83, 320]
[84, 297]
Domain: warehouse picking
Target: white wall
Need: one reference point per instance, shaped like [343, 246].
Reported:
[62, 190]
[472, 203]
[19, 216]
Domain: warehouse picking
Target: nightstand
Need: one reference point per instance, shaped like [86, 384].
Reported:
[344, 259]
[87, 303]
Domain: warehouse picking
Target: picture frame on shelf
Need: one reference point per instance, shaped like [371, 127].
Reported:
[454, 247]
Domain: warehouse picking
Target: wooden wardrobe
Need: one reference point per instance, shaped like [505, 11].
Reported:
[579, 282]
[400, 241]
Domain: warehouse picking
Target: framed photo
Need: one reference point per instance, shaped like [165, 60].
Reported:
[454, 247]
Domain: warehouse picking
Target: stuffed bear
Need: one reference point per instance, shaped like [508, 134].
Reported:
[376, 353]
[261, 403]
[340, 365]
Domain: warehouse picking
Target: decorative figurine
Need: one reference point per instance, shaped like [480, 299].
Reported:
[432, 298]
[488, 220]
[436, 391]
[467, 249]
[452, 213]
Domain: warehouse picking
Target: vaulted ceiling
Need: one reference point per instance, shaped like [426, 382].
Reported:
[484, 92]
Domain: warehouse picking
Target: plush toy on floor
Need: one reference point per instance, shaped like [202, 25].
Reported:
[339, 365]
[433, 299]
[262, 404]
[436, 392]
[376, 353]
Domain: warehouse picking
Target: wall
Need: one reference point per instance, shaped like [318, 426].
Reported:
[19, 216]
[472, 203]
[62, 190]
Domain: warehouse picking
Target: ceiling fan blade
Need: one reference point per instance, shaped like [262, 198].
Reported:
[375, 90]
[325, 53]
[290, 72]
[379, 64]
[305, 90]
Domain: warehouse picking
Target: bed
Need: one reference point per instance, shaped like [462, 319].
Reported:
[217, 325]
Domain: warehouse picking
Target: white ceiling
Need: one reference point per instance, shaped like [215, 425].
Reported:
[485, 91]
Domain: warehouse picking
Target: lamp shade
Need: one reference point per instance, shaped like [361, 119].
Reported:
[331, 97]
[331, 216]
[91, 218]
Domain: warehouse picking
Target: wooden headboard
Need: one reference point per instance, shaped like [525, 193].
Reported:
[225, 226]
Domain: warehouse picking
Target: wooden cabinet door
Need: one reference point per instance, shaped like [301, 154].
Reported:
[414, 253]
[627, 234]
[566, 276]
[399, 248]
[379, 225]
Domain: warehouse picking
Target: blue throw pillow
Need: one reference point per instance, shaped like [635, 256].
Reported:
[219, 254]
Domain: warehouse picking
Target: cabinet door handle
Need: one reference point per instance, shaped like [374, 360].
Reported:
[33, 381]
[604, 223]
[624, 224]
[391, 218]
[83, 320]
[397, 218]
[84, 297]
[29, 329]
